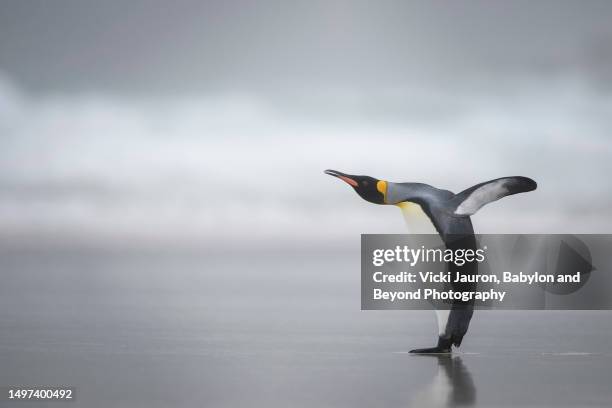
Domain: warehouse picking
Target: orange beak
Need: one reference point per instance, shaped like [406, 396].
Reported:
[344, 177]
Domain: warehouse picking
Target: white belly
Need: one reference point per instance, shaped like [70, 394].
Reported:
[419, 223]
[416, 220]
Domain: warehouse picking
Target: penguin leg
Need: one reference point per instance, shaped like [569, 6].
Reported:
[444, 342]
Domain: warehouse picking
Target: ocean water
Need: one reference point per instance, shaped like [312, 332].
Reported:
[191, 328]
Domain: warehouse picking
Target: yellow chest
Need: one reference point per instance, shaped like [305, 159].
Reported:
[416, 220]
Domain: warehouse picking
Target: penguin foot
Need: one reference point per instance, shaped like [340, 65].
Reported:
[431, 350]
[444, 346]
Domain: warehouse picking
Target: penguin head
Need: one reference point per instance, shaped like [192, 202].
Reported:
[369, 188]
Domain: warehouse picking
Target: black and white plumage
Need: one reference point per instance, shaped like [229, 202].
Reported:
[471, 200]
[431, 210]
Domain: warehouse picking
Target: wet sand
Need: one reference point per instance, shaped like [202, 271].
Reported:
[160, 330]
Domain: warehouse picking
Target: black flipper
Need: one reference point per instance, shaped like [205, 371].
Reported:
[469, 201]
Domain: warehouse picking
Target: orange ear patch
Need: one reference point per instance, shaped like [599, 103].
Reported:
[381, 186]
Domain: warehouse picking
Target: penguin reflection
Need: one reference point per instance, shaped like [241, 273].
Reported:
[452, 386]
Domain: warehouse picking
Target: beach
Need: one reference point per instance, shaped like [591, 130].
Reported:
[178, 328]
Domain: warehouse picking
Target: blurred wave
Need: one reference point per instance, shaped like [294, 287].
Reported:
[226, 167]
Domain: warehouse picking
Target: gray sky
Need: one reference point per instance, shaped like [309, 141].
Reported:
[164, 47]
[212, 122]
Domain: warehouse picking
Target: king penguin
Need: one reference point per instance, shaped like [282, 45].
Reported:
[427, 209]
